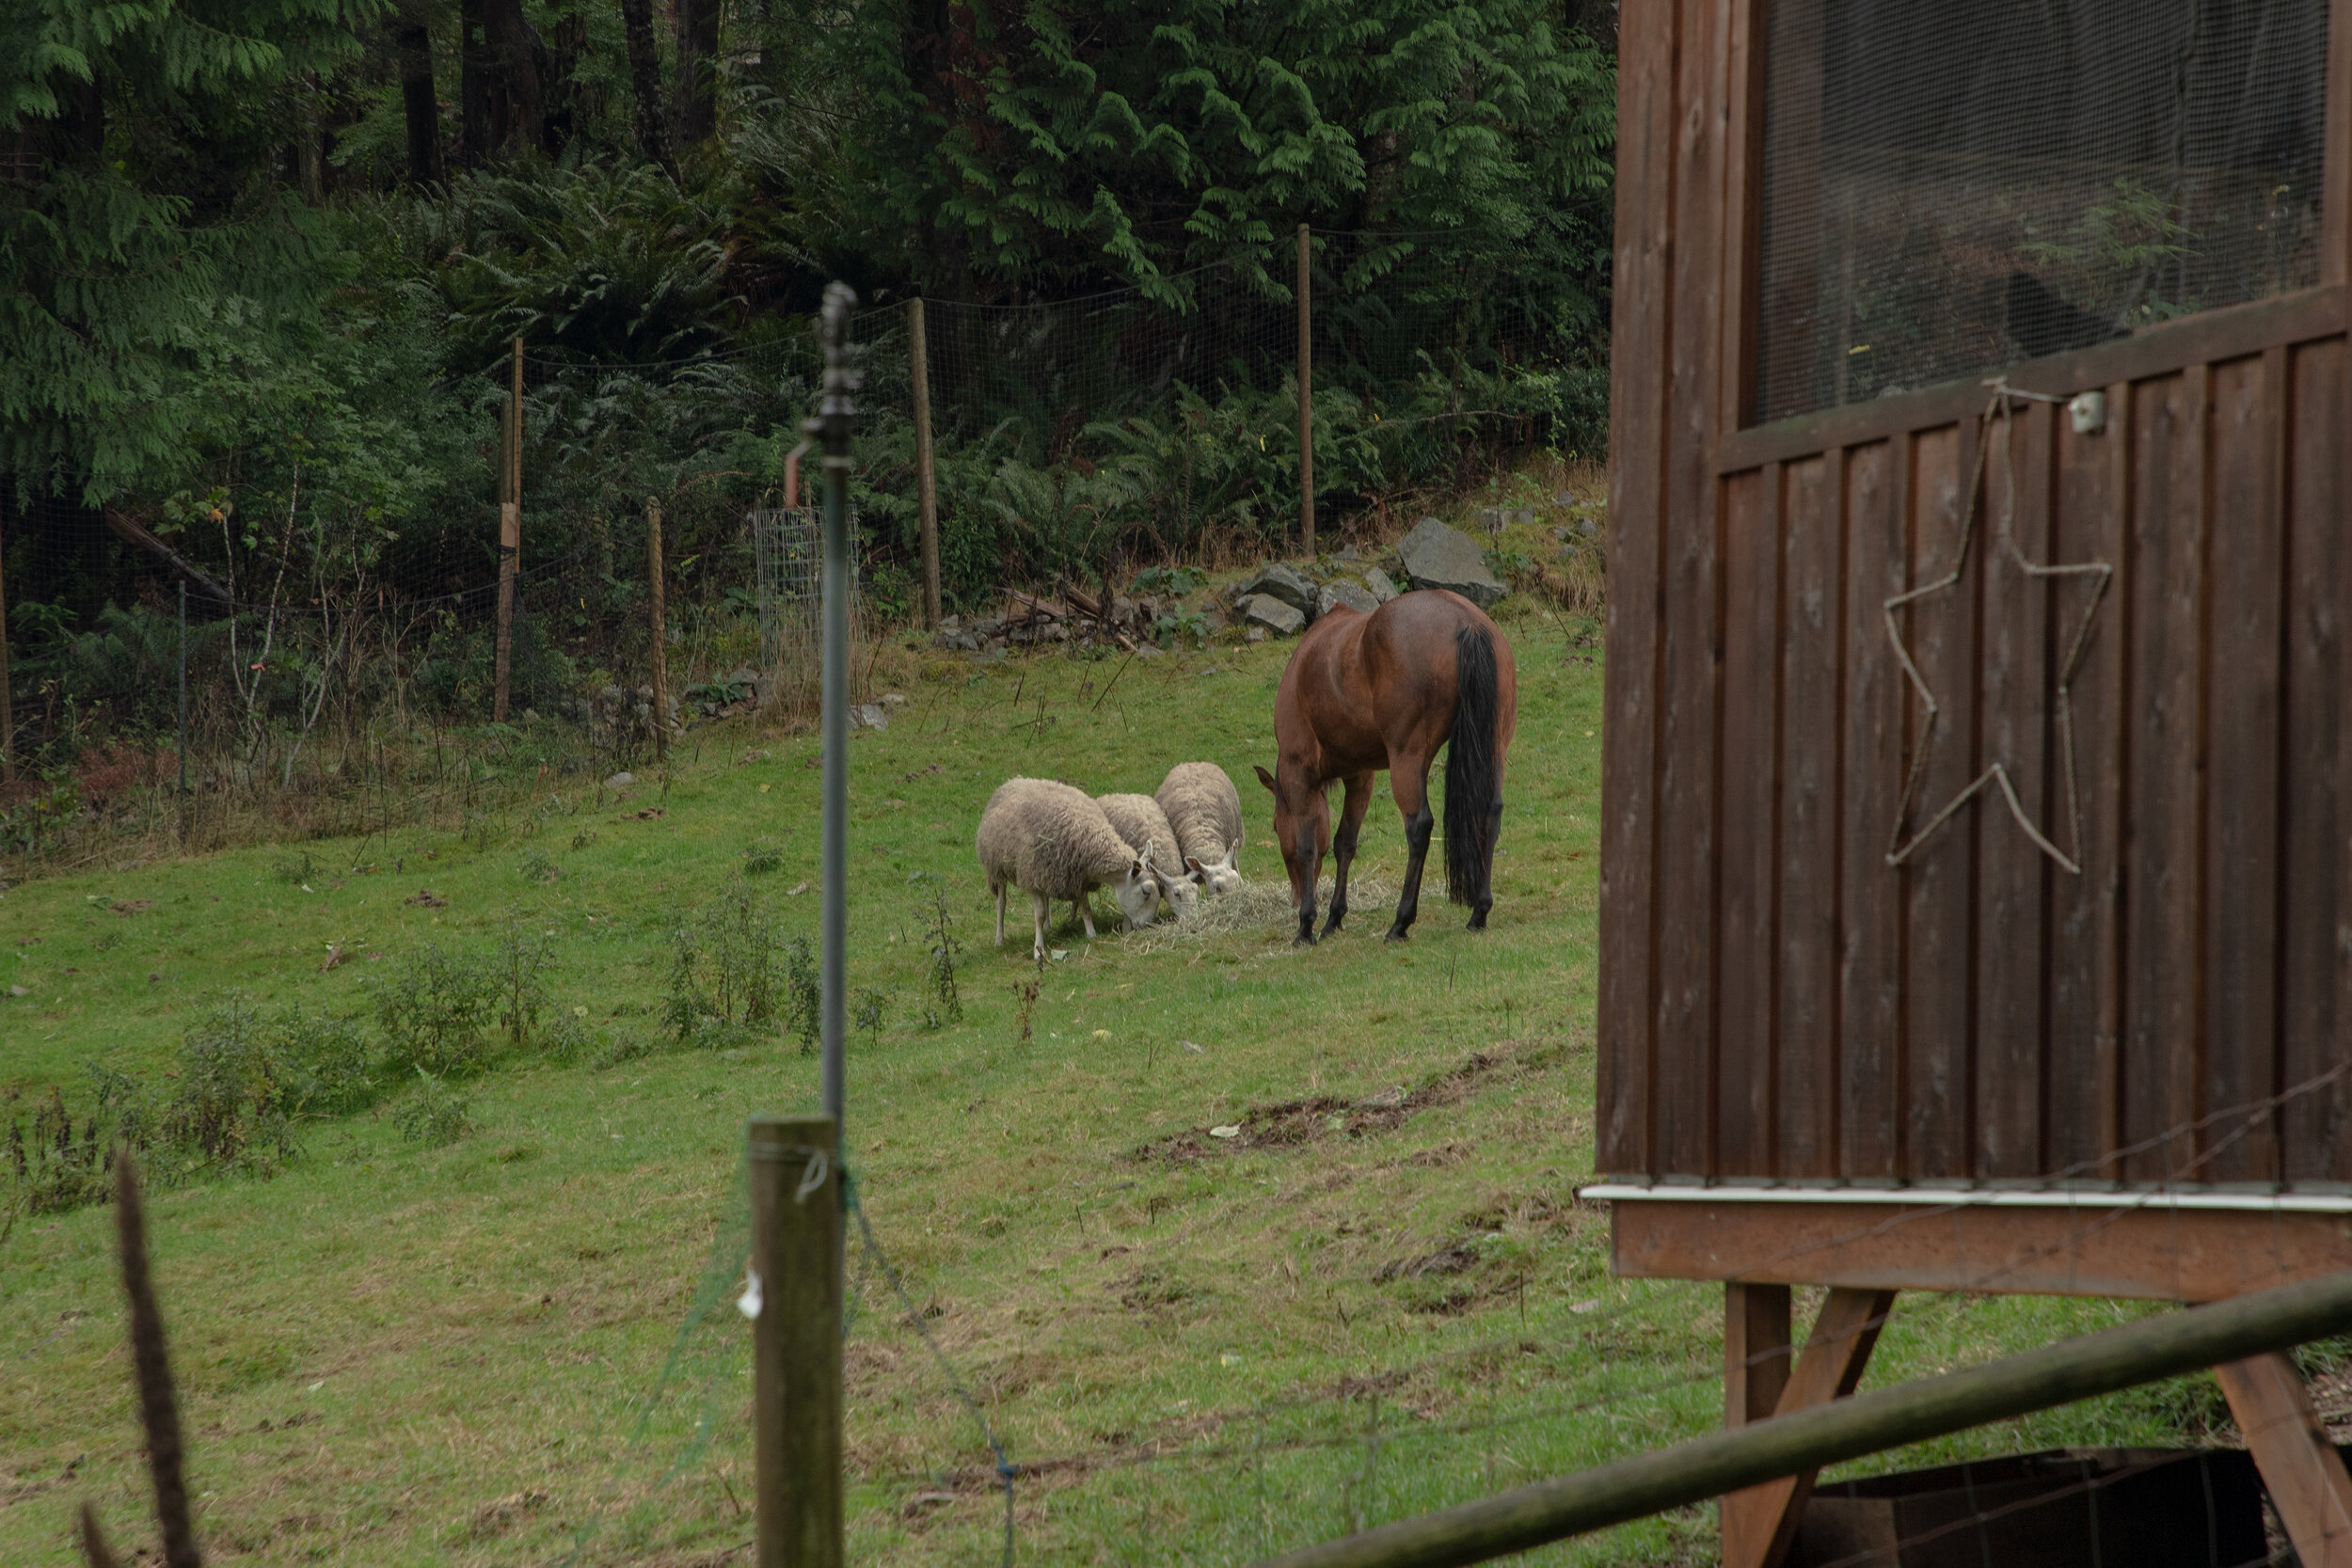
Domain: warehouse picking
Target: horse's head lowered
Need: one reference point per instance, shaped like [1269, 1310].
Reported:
[1299, 810]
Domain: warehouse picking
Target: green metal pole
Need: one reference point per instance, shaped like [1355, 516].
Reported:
[2081, 1369]
[830, 427]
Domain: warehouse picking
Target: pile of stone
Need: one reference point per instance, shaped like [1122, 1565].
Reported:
[617, 711]
[1282, 601]
[1073, 616]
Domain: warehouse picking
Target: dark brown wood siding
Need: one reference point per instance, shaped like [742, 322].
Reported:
[1779, 1002]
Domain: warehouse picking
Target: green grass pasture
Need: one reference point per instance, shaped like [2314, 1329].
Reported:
[1381, 1294]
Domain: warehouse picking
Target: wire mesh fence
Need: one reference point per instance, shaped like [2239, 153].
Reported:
[343, 641]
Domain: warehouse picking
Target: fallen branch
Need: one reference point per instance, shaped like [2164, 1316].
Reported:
[130, 533]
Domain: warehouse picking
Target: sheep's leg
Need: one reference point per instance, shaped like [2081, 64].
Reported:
[1086, 912]
[1041, 912]
[1000, 914]
[1343, 846]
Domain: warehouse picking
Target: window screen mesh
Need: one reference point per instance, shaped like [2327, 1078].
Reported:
[1950, 188]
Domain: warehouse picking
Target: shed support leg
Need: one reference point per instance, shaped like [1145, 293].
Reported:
[1759, 1523]
[2300, 1468]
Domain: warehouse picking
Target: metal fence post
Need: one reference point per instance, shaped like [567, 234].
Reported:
[795, 1285]
[831, 428]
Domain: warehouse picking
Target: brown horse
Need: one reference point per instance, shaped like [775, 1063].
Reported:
[1363, 692]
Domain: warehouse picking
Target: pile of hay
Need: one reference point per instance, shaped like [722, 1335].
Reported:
[1262, 905]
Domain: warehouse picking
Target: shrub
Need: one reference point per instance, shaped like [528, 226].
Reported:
[726, 968]
[435, 1113]
[524, 961]
[232, 1107]
[52, 1167]
[804, 999]
[330, 1069]
[433, 1009]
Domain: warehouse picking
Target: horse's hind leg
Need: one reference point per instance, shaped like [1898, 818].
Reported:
[1486, 871]
[1343, 846]
[1408, 780]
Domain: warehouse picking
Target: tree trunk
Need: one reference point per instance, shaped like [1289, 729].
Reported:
[644, 81]
[516, 50]
[473, 85]
[419, 106]
[697, 71]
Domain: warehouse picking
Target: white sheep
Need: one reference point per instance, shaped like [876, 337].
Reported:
[1137, 818]
[1051, 840]
[1204, 809]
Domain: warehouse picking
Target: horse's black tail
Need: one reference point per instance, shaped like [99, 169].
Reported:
[1472, 788]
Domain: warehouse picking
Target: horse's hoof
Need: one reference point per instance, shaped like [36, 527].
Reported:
[1397, 933]
[1304, 939]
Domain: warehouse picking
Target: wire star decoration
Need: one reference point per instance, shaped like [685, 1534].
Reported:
[1899, 848]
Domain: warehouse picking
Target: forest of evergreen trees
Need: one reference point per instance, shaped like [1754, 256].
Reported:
[261, 263]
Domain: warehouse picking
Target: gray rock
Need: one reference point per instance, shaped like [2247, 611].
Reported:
[1377, 580]
[1265, 609]
[1493, 518]
[744, 674]
[1435, 556]
[1281, 581]
[620, 781]
[1341, 592]
[1257, 634]
[869, 715]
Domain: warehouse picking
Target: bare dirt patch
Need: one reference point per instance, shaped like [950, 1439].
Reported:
[1295, 1122]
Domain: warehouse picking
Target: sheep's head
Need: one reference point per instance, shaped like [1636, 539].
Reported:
[1138, 889]
[1221, 878]
[1183, 889]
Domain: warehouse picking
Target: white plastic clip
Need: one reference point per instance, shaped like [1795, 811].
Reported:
[2089, 412]
[749, 1303]
[813, 1178]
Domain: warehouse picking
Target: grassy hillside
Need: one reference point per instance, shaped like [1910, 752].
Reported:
[1381, 1294]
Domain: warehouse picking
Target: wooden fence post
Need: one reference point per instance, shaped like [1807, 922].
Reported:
[660, 630]
[7, 704]
[796, 1340]
[510, 533]
[1306, 403]
[926, 472]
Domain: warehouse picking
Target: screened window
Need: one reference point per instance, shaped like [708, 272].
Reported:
[1951, 188]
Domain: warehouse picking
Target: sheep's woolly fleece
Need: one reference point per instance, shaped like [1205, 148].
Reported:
[1049, 839]
[1204, 809]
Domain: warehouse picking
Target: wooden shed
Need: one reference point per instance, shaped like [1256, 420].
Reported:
[1976, 892]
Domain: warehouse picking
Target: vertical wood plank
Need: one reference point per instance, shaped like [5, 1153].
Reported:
[2315, 1001]
[1641, 329]
[1813, 667]
[2020, 727]
[1758, 1341]
[2335, 175]
[1743, 194]
[1687, 822]
[1791, 125]
[2163, 842]
[2244, 562]
[1869, 973]
[2092, 491]
[1746, 934]
[1938, 879]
